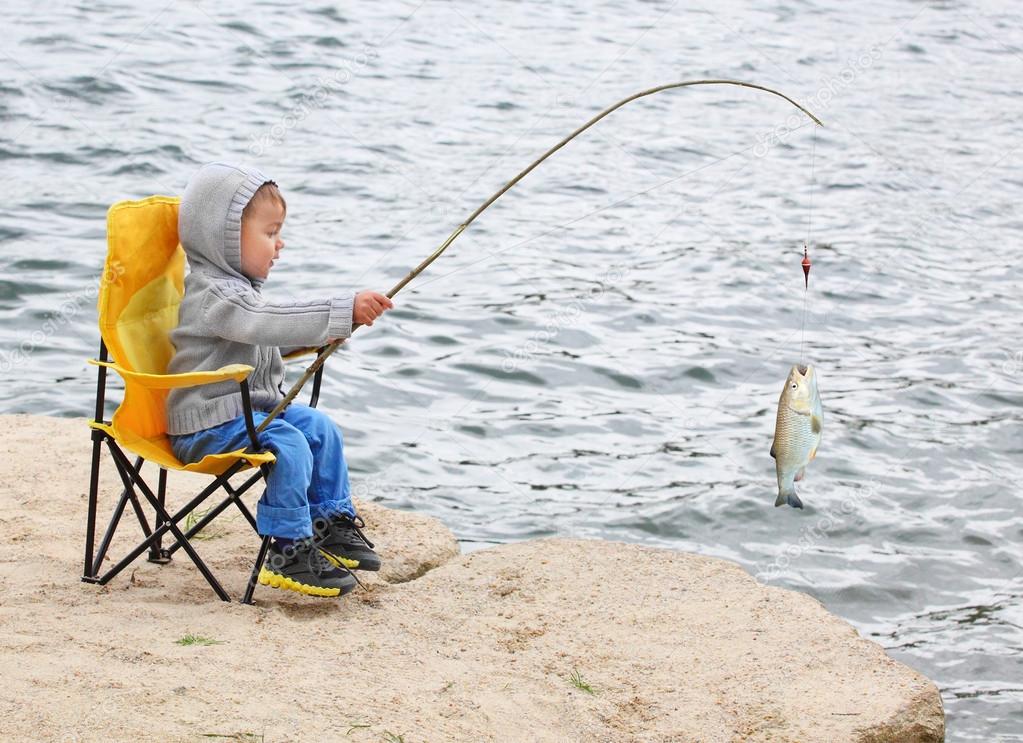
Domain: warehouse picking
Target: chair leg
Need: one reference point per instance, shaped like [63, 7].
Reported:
[264, 545]
[178, 515]
[247, 514]
[156, 552]
[134, 500]
[261, 475]
[89, 572]
[168, 523]
[98, 555]
[234, 496]
[108, 536]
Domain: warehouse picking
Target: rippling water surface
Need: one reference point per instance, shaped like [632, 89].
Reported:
[601, 353]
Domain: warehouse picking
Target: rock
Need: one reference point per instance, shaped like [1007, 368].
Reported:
[409, 543]
[547, 640]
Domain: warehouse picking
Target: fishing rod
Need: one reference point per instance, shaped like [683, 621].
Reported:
[332, 347]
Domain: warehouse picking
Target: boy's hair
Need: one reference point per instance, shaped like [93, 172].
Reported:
[267, 192]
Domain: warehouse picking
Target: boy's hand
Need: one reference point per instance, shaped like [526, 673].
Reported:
[369, 306]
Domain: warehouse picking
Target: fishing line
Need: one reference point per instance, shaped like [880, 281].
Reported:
[806, 245]
[813, 182]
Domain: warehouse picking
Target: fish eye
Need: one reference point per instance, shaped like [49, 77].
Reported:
[794, 385]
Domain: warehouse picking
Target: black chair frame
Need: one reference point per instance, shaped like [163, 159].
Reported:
[164, 522]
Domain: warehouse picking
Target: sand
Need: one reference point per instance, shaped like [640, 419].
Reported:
[662, 645]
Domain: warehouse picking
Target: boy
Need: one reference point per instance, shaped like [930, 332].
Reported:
[230, 223]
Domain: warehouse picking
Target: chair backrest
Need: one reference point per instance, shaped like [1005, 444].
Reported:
[140, 293]
[142, 283]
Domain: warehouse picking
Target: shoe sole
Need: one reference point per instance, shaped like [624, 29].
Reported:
[345, 562]
[276, 580]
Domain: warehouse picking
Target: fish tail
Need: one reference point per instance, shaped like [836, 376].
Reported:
[788, 495]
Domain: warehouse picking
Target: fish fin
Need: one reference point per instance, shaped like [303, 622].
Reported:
[813, 454]
[816, 424]
[773, 454]
[799, 475]
[790, 497]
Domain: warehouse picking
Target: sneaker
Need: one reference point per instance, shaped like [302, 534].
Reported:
[341, 540]
[300, 567]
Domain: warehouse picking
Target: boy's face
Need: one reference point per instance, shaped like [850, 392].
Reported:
[261, 238]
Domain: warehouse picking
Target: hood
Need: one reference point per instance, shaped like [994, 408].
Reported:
[210, 217]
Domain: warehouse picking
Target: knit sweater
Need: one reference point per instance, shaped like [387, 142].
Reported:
[224, 318]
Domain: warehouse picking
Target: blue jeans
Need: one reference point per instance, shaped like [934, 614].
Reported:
[309, 480]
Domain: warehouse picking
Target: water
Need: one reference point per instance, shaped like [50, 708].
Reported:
[601, 353]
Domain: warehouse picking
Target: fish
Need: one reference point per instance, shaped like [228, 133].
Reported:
[797, 431]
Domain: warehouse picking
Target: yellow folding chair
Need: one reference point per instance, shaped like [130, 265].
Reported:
[140, 292]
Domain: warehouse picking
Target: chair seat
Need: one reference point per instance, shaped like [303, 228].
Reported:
[157, 449]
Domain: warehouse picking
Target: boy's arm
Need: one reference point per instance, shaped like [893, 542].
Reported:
[247, 318]
[368, 307]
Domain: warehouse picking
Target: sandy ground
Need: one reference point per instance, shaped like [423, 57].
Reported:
[662, 646]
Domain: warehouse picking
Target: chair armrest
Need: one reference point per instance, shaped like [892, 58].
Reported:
[289, 354]
[236, 372]
[294, 353]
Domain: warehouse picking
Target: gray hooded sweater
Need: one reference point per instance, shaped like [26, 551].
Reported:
[224, 318]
